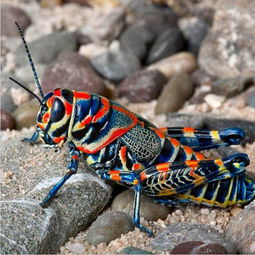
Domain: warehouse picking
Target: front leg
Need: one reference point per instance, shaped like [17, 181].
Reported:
[72, 166]
[132, 178]
[33, 139]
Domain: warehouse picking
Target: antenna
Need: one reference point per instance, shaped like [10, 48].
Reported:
[31, 63]
[28, 90]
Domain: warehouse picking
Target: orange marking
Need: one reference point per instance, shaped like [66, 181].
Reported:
[50, 101]
[174, 142]
[46, 117]
[103, 110]
[75, 157]
[125, 111]
[199, 156]
[163, 167]
[40, 126]
[143, 176]
[57, 92]
[188, 130]
[136, 166]
[159, 133]
[82, 95]
[191, 163]
[219, 162]
[115, 178]
[123, 151]
[187, 150]
[164, 130]
[69, 108]
[58, 139]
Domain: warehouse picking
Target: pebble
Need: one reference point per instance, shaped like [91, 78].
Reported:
[214, 101]
[186, 247]
[230, 87]
[115, 65]
[9, 14]
[25, 114]
[7, 121]
[200, 78]
[175, 93]
[91, 50]
[194, 30]
[45, 49]
[76, 248]
[167, 43]
[228, 49]
[142, 86]
[150, 210]
[212, 248]
[205, 211]
[180, 62]
[235, 211]
[177, 233]
[72, 71]
[241, 230]
[133, 250]
[108, 227]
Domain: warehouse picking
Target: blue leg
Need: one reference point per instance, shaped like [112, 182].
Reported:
[72, 166]
[33, 139]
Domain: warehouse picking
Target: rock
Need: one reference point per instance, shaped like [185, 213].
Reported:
[186, 247]
[241, 230]
[91, 50]
[9, 14]
[150, 210]
[228, 49]
[175, 94]
[29, 228]
[213, 248]
[25, 114]
[178, 233]
[108, 227]
[115, 65]
[180, 62]
[45, 49]
[105, 25]
[11, 43]
[230, 87]
[81, 2]
[7, 103]
[167, 43]
[72, 71]
[200, 77]
[133, 250]
[76, 248]
[194, 30]
[7, 121]
[142, 86]
[24, 74]
[214, 101]
[250, 97]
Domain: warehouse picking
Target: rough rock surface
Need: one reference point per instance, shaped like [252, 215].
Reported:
[28, 173]
[7, 121]
[228, 49]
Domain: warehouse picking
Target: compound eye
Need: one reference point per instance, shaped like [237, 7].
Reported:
[58, 110]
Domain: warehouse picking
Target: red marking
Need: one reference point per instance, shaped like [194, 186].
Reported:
[85, 122]
[174, 142]
[58, 139]
[69, 108]
[192, 163]
[75, 157]
[188, 130]
[163, 167]
[115, 178]
[143, 176]
[103, 110]
[46, 117]
[159, 133]
[136, 166]
[187, 150]
[81, 95]
[164, 130]
[123, 152]
[57, 92]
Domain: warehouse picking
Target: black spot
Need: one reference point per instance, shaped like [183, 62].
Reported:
[58, 110]
[58, 132]
[67, 95]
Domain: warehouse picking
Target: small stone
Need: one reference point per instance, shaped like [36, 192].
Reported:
[167, 43]
[108, 227]
[115, 65]
[45, 49]
[133, 250]
[175, 94]
[235, 211]
[186, 247]
[212, 248]
[7, 121]
[214, 101]
[8, 174]
[9, 14]
[150, 210]
[76, 248]
[142, 86]
[205, 211]
[72, 71]
[92, 50]
[180, 62]
[201, 78]
[230, 87]
[25, 114]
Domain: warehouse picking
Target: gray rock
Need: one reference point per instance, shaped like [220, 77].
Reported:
[177, 233]
[115, 65]
[72, 71]
[250, 97]
[241, 230]
[228, 49]
[7, 121]
[149, 209]
[167, 43]
[28, 227]
[133, 250]
[142, 86]
[7, 103]
[230, 87]
[108, 227]
[175, 93]
[45, 49]
[9, 14]
[194, 30]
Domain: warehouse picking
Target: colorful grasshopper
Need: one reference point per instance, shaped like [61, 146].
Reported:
[164, 163]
